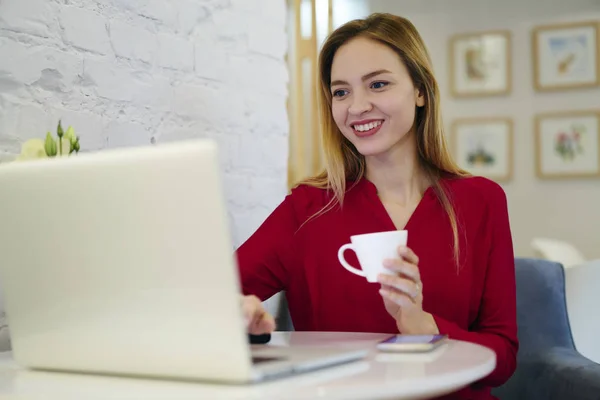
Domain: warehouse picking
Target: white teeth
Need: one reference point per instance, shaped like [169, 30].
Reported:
[367, 127]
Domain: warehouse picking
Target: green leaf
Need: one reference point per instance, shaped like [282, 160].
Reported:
[50, 146]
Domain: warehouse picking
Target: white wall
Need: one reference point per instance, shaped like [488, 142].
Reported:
[132, 72]
[346, 10]
[568, 210]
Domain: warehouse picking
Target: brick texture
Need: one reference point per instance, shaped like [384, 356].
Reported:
[133, 72]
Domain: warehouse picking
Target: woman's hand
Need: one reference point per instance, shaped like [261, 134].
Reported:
[402, 294]
[258, 320]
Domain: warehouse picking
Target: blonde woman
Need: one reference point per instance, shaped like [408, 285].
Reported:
[388, 167]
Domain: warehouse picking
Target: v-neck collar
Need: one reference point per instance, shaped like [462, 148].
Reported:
[370, 191]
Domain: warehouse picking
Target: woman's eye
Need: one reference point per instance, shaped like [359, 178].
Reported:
[379, 85]
[339, 93]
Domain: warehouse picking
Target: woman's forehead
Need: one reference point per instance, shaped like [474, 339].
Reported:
[360, 57]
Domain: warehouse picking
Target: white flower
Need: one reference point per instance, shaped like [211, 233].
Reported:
[31, 150]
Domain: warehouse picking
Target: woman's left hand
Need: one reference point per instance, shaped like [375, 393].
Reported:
[402, 294]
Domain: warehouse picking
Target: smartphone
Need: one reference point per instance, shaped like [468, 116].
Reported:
[412, 343]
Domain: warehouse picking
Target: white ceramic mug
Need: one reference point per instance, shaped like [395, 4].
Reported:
[371, 250]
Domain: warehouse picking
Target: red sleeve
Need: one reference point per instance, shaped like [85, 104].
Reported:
[261, 257]
[496, 325]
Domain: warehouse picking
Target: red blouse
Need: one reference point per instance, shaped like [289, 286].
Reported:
[476, 303]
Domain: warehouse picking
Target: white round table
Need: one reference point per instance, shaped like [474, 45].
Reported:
[379, 376]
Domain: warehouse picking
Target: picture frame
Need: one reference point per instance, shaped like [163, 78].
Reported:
[484, 146]
[567, 144]
[566, 56]
[480, 64]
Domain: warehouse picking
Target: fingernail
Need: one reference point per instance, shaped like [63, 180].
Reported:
[402, 249]
[388, 263]
[383, 292]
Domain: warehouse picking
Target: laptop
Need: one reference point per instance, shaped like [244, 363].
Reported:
[120, 262]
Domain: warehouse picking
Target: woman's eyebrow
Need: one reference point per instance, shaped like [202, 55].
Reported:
[364, 78]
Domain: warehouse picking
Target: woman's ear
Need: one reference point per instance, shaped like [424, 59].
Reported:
[419, 97]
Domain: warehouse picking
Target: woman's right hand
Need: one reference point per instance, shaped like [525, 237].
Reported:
[258, 320]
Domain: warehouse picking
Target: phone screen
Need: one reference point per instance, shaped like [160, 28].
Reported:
[399, 339]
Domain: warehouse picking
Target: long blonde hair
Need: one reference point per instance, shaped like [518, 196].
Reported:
[342, 160]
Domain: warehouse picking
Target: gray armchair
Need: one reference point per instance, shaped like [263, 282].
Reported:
[549, 367]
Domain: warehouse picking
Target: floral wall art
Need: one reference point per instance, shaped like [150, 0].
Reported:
[483, 146]
[568, 144]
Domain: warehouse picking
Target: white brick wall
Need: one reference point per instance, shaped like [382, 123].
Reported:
[84, 29]
[34, 17]
[132, 72]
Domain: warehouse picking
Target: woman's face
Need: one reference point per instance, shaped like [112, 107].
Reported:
[373, 97]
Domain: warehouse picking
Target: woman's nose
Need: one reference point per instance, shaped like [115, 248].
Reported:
[360, 104]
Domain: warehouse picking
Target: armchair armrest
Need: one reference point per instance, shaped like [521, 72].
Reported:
[559, 373]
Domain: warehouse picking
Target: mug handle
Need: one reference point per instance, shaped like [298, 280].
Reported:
[348, 246]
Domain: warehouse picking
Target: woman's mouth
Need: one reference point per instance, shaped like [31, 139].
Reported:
[367, 128]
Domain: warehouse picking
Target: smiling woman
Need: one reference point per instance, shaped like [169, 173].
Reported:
[394, 87]
[387, 168]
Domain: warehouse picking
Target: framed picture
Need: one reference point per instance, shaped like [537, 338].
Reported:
[566, 56]
[568, 144]
[480, 64]
[483, 146]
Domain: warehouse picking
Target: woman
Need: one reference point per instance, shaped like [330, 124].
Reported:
[388, 167]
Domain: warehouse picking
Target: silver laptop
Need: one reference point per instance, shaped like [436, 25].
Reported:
[120, 262]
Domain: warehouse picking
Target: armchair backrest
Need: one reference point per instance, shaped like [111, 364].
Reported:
[542, 322]
[542, 316]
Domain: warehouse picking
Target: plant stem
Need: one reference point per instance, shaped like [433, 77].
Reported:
[60, 145]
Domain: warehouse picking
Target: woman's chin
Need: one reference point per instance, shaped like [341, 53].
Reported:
[381, 146]
[371, 149]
